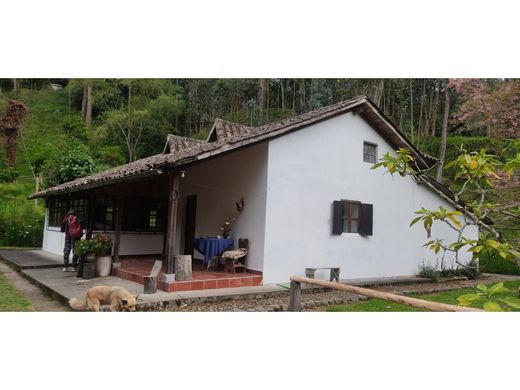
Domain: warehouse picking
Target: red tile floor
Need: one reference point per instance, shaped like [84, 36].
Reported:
[135, 269]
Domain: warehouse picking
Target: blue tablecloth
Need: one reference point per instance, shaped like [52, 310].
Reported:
[211, 247]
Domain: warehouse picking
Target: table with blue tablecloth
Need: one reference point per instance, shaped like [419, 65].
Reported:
[212, 246]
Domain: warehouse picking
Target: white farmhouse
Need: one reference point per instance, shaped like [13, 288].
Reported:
[309, 197]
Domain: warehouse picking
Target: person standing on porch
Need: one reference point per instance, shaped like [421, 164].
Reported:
[71, 226]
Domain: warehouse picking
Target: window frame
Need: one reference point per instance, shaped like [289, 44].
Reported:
[367, 154]
[105, 207]
[144, 215]
[58, 207]
[347, 217]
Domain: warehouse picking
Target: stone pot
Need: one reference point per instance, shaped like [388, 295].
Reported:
[103, 265]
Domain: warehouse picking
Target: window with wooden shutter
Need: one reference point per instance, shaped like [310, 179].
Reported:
[352, 217]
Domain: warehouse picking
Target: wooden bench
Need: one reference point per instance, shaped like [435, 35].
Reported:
[334, 272]
[150, 281]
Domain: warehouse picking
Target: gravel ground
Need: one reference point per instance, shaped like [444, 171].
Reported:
[318, 300]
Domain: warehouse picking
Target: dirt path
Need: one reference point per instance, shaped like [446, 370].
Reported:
[40, 301]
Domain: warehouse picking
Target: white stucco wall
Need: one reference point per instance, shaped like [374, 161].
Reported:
[219, 183]
[131, 243]
[307, 171]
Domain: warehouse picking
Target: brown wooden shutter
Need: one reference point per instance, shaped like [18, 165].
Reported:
[337, 222]
[365, 228]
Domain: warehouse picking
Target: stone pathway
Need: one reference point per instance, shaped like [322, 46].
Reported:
[39, 301]
[319, 300]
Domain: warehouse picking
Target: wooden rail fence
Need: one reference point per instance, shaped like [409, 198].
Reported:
[295, 296]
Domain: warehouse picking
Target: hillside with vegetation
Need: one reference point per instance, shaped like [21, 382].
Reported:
[75, 127]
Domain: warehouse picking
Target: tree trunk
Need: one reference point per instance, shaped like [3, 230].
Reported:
[183, 268]
[88, 109]
[84, 103]
[294, 97]
[262, 97]
[444, 135]
[435, 107]
[16, 85]
[283, 94]
[378, 93]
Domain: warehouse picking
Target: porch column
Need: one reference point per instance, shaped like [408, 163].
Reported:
[173, 199]
[91, 215]
[117, 238]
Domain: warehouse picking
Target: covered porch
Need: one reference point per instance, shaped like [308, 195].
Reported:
[158, 214]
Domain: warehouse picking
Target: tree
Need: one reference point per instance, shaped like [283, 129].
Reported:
[475, 170]
[76, 162]
[147, 113]
[489, 106]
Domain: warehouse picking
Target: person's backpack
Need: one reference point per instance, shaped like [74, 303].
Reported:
[75, 230]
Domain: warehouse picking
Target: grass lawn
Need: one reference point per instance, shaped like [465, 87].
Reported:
[444, 297]
[11, 299]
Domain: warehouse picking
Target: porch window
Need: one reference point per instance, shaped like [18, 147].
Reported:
[58, 208]
[144, 215]
[104, 213]
[369, 152]
[80, 206]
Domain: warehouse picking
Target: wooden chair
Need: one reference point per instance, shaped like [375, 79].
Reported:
[237, 258]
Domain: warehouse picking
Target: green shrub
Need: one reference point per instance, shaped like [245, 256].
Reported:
[430, 272]
[111, 156]
[75, 162]
[21, 220]
[498, 265]
[74, 126]
[21, 225]
[468, 272]
[8, 175]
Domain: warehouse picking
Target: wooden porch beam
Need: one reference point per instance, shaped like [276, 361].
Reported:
[91, 214]
[119, 217]
[173, 200]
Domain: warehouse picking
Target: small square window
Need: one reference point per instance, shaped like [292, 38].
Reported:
[369, 152]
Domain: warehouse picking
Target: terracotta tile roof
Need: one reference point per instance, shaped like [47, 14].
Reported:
[223, 129]
[226, 136]
[176, 143]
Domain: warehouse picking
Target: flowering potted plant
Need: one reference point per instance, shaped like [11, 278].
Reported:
[86, 250]
[226, 226]
[103, 254]
[105, 244]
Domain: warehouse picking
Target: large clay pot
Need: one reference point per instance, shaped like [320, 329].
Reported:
[103, 265]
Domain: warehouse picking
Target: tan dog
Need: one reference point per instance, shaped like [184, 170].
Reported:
[118, 298]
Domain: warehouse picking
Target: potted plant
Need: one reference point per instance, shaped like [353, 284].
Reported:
[103, 254]
[86, 250]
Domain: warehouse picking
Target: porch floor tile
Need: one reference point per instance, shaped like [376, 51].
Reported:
[136, 268]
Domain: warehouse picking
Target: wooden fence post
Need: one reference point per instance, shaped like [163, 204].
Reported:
[295, 296]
